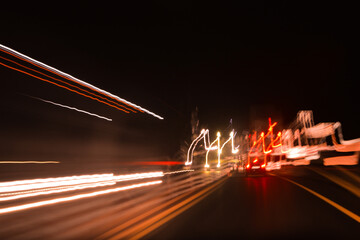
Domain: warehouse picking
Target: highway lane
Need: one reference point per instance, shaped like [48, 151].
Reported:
[100, 212]
[198, 204]
[269, 207]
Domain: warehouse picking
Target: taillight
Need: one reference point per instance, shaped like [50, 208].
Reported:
[248, 166]
[255, 161]
[264, 165]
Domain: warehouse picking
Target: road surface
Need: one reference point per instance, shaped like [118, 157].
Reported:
[271, 207]
[293, 202]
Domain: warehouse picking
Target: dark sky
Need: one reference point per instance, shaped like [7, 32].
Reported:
[252, 59]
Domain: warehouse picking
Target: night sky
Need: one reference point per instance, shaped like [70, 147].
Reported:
[244, 61]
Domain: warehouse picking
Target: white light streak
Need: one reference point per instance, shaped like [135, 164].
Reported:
[47, 191]
[193, 145]
[72, 108]
[75, 197]
[137, 176]
[35, 187]
[233, 149]
[23, 185]
[180, 171]
[78, 80]
[209, 147]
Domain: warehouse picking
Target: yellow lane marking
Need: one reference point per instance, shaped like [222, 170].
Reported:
[332, 203]
[347, 185]
[24, 162]
[151, 224]
[171, 216]
[132, 221]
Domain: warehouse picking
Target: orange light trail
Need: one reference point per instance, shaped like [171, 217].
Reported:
[71, 78]
[71, 85]
[24, 59]
[72, 90]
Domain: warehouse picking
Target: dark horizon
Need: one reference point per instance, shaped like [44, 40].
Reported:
[232, 62]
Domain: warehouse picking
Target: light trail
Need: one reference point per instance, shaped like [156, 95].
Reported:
[47, 191]
[67, 76]
[43, 186]
[210, 148]
[233, 148]
[23, 185]
[193, 145]
[25, 162]
[204, 134]
[56, 84]
[136, 176]
[73, 108]
[75, 197]
[180, 171]
[61, 81]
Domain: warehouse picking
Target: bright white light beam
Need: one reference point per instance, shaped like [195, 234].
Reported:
[72, 108]
[74, 197]
[78, 80]
[191, 149]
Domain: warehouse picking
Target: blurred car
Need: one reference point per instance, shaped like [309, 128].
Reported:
[255, 164]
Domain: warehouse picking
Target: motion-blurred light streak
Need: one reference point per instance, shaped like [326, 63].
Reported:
[72, 90]
[47, 191]
[193, 145]
[204, 134]
[69, 77]
[76, 109]
[217, 140]
[23, 185]
[61, 81]
[136, 176]
[180, 171]
[35, 187]
[53, 77]
[75, 197]
[26, 162]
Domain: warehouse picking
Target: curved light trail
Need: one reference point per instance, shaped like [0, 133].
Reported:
[204, 134]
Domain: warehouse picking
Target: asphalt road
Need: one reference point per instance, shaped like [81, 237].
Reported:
[272, 207]
[291, 203]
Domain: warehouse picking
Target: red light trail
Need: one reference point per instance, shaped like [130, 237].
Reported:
[102, 94]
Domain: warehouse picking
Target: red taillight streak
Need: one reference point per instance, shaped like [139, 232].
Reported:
[72, 90]
[62, 76]
[59, 80]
